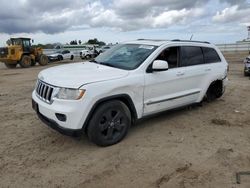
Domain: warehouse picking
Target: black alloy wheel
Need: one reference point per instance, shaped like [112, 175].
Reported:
[109, 124]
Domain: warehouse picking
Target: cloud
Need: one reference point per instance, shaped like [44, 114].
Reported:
[232, 14]
[46, 16]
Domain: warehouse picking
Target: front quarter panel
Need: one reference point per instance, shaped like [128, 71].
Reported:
[131, 85]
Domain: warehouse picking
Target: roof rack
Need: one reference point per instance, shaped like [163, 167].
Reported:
[178, 40]
[154, 39]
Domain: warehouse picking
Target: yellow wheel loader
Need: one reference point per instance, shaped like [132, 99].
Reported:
[19, 51]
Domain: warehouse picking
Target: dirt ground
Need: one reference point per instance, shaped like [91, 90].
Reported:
[188, 148]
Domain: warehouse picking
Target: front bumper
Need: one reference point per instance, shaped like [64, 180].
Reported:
[51, 58]
[247, 70]
[52, 124]
[75, 111]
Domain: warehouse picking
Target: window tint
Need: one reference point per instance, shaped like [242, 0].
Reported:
[170, 55]
[26, 43]
[65, 52]
[191, 55]
[210, 55]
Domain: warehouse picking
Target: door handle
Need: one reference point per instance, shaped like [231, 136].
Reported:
[180, 73]
[208, 69]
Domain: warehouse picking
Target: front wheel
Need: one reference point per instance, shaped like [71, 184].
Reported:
[245, 73]
[72, 57]
[60, 58]
[109, 123]
[25, 61]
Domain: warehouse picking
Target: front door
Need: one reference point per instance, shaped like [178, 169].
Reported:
[171, 88]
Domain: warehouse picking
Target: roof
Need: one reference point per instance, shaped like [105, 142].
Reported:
[154, 42]
[20, 38]
[159, 42]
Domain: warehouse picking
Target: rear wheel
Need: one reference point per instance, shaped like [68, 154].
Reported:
[10, 66]
[43, 60]
[25, 61]
[109, 124]
[214, 91]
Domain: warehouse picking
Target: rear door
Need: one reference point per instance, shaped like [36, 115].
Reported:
[196, 71]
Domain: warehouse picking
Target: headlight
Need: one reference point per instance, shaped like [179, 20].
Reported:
[70, 94]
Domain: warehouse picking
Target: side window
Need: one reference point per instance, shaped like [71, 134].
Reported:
[170, 55]
[210, 55]
[191, 55]
[64, 52]
[26, 43]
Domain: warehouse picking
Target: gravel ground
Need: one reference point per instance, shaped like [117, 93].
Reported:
[191, 147]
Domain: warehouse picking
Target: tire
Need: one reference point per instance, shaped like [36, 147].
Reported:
[87, 56]
[72, 57]
[245, 73]
[60, 58]
[43, 60]
[10, 66]
[109, 124]
[214, 91]
[25, 61]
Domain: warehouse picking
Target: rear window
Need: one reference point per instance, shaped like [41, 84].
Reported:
[191, 55]
[210, 55]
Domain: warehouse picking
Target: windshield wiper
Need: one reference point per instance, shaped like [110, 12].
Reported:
[102, 63]
[107, 64]
[93, 61]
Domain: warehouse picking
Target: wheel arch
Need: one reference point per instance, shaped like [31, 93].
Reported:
[125, 98]
[215, 84]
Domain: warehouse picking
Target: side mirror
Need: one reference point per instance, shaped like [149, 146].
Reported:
[159, 65]
[32, 41]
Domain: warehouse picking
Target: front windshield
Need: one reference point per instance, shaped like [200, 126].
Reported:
[125, 56]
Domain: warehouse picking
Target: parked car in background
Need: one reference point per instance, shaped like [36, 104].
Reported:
[104, 48]
[89, 53]
[61, 55]
[247, 66]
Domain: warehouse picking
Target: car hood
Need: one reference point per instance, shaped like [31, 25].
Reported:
[77, 74]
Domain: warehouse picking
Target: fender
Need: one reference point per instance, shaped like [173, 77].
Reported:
[125, 98]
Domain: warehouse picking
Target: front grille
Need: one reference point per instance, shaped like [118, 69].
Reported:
[44, 91]
[3, 52]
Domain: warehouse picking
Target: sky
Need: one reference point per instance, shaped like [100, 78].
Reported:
[111, 21]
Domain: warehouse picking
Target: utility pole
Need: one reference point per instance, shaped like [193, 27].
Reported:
[248, 29]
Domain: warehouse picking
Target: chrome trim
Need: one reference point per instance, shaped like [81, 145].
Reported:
[45, 92]
[172, 98]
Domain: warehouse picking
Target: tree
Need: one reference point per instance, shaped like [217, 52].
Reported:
[95, 41]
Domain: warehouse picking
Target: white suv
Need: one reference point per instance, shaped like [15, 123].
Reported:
[132, 80]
